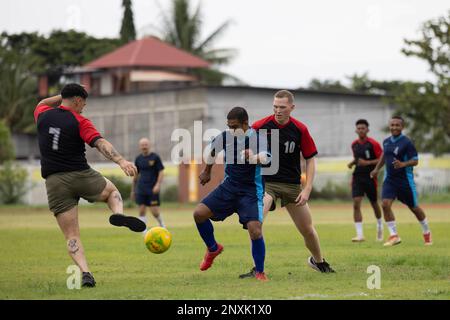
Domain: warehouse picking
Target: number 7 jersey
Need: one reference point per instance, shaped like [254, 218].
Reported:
[62, 134]
[294, 138]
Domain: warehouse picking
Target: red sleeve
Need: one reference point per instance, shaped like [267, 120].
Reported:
[40, 109]
[307, 145]
[88, 132]
[376, 148]
[258, 124]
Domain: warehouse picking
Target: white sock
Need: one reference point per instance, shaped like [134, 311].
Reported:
[160, 220]
[380, 224]
[359, 229]
[392, 228]
[425, 227]
[144, 220]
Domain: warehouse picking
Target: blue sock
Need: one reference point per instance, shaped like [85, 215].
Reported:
[259, 253]
[206, 231]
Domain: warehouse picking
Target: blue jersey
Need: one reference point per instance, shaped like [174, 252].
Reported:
[402, 149]
[237, 169]
[148, 169]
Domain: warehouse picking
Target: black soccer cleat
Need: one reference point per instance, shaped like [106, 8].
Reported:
[133, 223]
[323, 267]
[88, 280]
[250, 274]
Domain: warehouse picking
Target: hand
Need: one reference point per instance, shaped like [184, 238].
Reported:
[398, 164]
[363, 163]
[128, 167]
[350, 165]
[204, 177]
[156, 189]
[303, 197]
[374, 174]
[248, 154]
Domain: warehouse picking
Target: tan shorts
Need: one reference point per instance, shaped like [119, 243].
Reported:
[64, 189]
[287, 192]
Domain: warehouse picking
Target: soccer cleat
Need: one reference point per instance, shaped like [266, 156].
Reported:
[261, 276]
[209, 258]
[392, 241]
[88, 280]
[133, 223]
[427, 238]
[380, 234]
[323, 267]
[250, 274]
[358, 239]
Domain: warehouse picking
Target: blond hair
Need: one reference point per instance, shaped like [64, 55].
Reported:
[285, 94]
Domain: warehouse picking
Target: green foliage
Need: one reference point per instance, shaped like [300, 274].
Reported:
[327, 85]
[182, 29]
[127, 31]
[332, 191]
[13, 183]
[6, 146]
[123, 185]
[170, 194]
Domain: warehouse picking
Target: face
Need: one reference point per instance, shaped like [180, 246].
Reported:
[144, 146]
[361, 131]
[282, 109]
[396, 127]
[237, 128]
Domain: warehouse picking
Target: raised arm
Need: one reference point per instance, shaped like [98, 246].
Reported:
[51, 101]
[110, 153]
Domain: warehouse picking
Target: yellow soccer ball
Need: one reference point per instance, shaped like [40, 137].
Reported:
[158, 240]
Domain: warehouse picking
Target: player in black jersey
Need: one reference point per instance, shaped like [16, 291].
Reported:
[62, 134]
[366, 154]
[294, 139]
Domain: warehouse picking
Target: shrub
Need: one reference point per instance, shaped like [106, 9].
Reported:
[6, 146]
[170, 194]
[13, 183]
[332, 191]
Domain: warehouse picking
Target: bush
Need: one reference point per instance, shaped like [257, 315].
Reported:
[6, 145]
[332, 191]
[170, 194]
[122, 185]
[13, 183]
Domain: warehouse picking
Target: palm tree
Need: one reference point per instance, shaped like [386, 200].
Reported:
[182, 29]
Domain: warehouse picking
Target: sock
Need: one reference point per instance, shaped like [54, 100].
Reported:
[160, 221]
[206, 231]
[259, 253]
[144, 220]
[380, 224]
[359, 229]
[392, 228]
[425, 227]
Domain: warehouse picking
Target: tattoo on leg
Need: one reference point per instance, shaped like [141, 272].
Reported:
[73, 246]
[117, 196]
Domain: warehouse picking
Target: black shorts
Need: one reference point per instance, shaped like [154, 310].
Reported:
[364, 185]
[149, 199]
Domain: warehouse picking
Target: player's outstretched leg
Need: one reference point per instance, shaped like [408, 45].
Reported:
[301, 216]
[112, 197]
[258, 248]
[202, 216]
[420, 215]
[68, 223]
[389, 217]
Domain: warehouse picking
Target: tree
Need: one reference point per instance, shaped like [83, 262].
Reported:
[426, 107]
[127, 31]
[6, 146]
[182, 29]
[327, 85]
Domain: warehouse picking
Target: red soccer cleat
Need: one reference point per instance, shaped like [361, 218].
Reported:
[209, 257]
[427, 238]
[261, 276]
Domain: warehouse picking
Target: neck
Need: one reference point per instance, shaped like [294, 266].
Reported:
[363, 138]
[281, 121]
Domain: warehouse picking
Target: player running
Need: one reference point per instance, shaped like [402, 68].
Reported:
[366, 154]
[147, 183]
[294, 138]
[400, 156]
[62, 133]
[241, 191]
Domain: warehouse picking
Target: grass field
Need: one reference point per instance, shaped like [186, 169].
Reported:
[33, 258]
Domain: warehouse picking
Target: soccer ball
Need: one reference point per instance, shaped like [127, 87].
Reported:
[158, 240]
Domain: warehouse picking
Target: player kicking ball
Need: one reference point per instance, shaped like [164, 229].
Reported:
[400, 156]
[294, 138]
[241, 191]
[62, 134]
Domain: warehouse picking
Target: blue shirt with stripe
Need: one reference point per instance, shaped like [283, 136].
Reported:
[402, 149]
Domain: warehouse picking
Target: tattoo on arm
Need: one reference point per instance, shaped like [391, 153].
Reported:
[108, 150]
[73, 246]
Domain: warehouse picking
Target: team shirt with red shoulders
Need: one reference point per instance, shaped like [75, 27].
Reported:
[367, 149]
[294, 138]
[62, 134]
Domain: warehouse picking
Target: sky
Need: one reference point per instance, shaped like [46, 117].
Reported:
[280, 43]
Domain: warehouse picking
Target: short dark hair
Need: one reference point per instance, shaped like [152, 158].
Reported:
[73, 90]
[362, 121]
[398, 118]
[239, 114]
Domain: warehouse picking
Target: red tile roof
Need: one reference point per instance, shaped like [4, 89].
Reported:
[148, 52]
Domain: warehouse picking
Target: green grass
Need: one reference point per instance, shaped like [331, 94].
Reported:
[33, 260]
